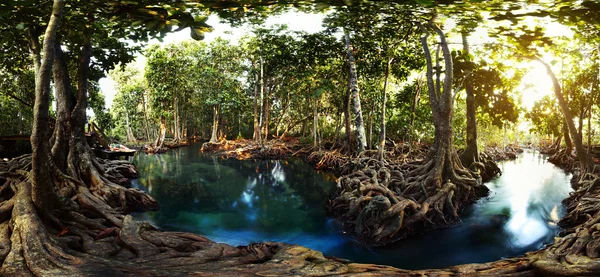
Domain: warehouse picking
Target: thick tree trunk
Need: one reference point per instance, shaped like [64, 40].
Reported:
[360, 127]
[40, 159]
[471, 153]
[383, 104]
[215, 126]
[585, 161]
[65, 103]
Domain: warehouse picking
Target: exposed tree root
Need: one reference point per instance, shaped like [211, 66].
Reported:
[564, 160]
[380, 202]
[98, 239]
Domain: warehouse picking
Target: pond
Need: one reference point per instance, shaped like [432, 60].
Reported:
[240, 202]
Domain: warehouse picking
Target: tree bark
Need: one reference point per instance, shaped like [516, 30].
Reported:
[256, 134]
[471, 153]
[65, 103]
[262, 91]
[347, 114]
[589, 123]
[315, 123]
[215, 126]
[130, 136]
[162, 132]
[585, 161]
[383, 104]
[42, 191]
[354, 90]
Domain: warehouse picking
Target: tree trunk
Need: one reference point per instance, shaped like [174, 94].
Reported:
[40, 158]
[162, 132]
[370, 124]
[582, 113]
[585, 161]
[146, 123]
[315, 122]
[286, 106]
[130, 136]
[215, 126]
[176, 135]
[347, 115]
[383, 103]
[262, 91]
[256, 134]
[471, 153]
[64, 105]
[413, 107]
[360, 127]
[266, 117]
[589, 128]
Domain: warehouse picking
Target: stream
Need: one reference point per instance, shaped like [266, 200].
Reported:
[241, 202]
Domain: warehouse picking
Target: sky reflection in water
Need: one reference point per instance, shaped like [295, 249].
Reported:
[239, 202]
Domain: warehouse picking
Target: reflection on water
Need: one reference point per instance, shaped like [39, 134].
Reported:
[239, 202]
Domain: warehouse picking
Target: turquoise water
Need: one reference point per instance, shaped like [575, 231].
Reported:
[240, 202]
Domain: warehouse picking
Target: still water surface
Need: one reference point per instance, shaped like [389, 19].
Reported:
[240, 202]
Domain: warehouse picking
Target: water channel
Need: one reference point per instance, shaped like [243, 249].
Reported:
[240, 202]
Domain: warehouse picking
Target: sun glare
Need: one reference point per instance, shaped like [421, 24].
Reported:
[535, 85]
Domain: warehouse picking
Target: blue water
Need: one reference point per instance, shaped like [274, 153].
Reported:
[240, 202]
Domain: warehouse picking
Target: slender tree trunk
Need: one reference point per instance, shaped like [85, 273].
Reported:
[256, 134]
[283, 113]
[177, 135]
[370, 124]
[360, 127]
[589, 125]
[40, 175]
[413, 108]
[471, 153]
[35, 50]
[383, 104]
[262, 91]
[338, 127]
[146, 123]
[584, 159]
[130, 136]
[315, 122]
[162, 132]
[215, 125]
[582, 113]
[266, 118]
[347, 115]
